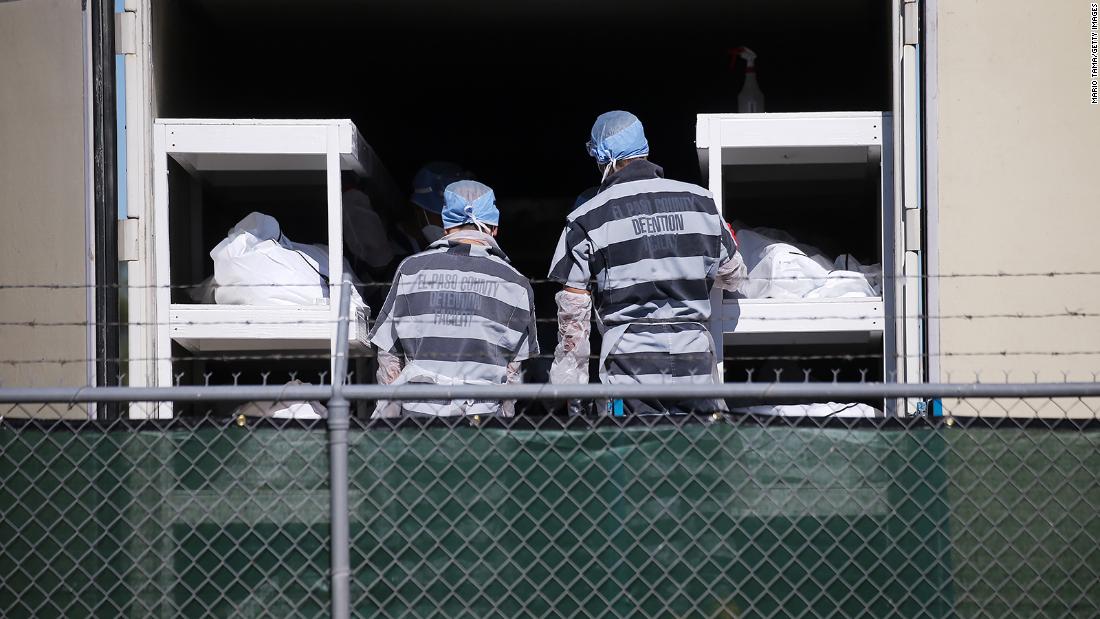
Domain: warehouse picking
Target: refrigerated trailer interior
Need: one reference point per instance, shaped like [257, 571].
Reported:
[510, 91]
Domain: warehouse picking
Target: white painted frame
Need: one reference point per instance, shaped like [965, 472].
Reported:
[930, 98]
[206, 327]
[141, 316]
[91, 289]
[808, 321]
[200, 145]
[803, 138]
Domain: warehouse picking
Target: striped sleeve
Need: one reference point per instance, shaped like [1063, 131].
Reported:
[384, 333]
[529, 343]
[729, 243]
[570, 265]
[727, 248]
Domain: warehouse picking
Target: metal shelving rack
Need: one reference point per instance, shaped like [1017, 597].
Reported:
[203, 146]
[725, 141]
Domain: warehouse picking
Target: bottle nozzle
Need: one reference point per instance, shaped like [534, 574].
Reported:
[747, 54]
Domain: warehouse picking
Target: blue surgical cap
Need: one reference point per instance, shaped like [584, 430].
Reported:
[616, 136]
[467, 202]
[430, 180]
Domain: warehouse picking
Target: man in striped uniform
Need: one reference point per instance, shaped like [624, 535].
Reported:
[647, 251]
[458, 313]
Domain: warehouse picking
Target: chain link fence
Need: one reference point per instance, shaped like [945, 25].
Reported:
[215, 513]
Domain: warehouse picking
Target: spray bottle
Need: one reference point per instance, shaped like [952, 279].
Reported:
[750, 99]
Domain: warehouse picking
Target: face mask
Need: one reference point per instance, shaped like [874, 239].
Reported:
[432, 233]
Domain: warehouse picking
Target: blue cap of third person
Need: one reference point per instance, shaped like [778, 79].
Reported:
[431, 180]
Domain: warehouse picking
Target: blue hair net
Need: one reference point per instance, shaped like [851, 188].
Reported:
[616, 136]
[430, 180]
[469, 202]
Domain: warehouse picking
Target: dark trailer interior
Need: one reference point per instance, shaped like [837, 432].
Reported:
[510, 90]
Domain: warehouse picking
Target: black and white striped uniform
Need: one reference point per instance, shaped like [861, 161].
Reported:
[648, 249]
[457, 314]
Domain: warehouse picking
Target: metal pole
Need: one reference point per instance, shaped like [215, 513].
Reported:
[769, 392]
[105, 195]
[338, 411]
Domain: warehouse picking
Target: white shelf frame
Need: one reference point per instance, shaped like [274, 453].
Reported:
[802, 321]
[802, 138]
[208, 145]
[219, 328]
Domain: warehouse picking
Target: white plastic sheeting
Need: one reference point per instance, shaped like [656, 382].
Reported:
[284, 410]
[781, 268]
[203, 292]
[256, 264]
[818, 409]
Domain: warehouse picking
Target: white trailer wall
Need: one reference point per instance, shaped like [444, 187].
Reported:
[1016, 163]
[42, 191]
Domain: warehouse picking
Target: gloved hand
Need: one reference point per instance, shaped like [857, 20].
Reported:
[508, 407]
[570, 365]
[733, 274]
[389, 368]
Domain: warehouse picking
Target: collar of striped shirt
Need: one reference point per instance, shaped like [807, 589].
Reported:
[638, 171]
[485, 243]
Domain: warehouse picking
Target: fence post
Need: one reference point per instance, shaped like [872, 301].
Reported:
[338, 412]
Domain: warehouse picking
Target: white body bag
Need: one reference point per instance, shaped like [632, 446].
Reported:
[257, 265]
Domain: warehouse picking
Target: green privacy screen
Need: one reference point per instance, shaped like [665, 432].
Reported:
[174, 523]
[692, 519]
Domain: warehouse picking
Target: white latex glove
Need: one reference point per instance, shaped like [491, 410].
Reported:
[508, 407]
[733, 274]
[574, 326]
[389, 368]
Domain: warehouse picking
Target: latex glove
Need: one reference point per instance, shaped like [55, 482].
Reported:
[508, 407]
[733, 274]
[389, 368]
[574, 326]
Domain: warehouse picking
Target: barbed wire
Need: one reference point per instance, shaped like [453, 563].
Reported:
[751, 375]
[426, 320]
[660, 355]
[540, 281]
